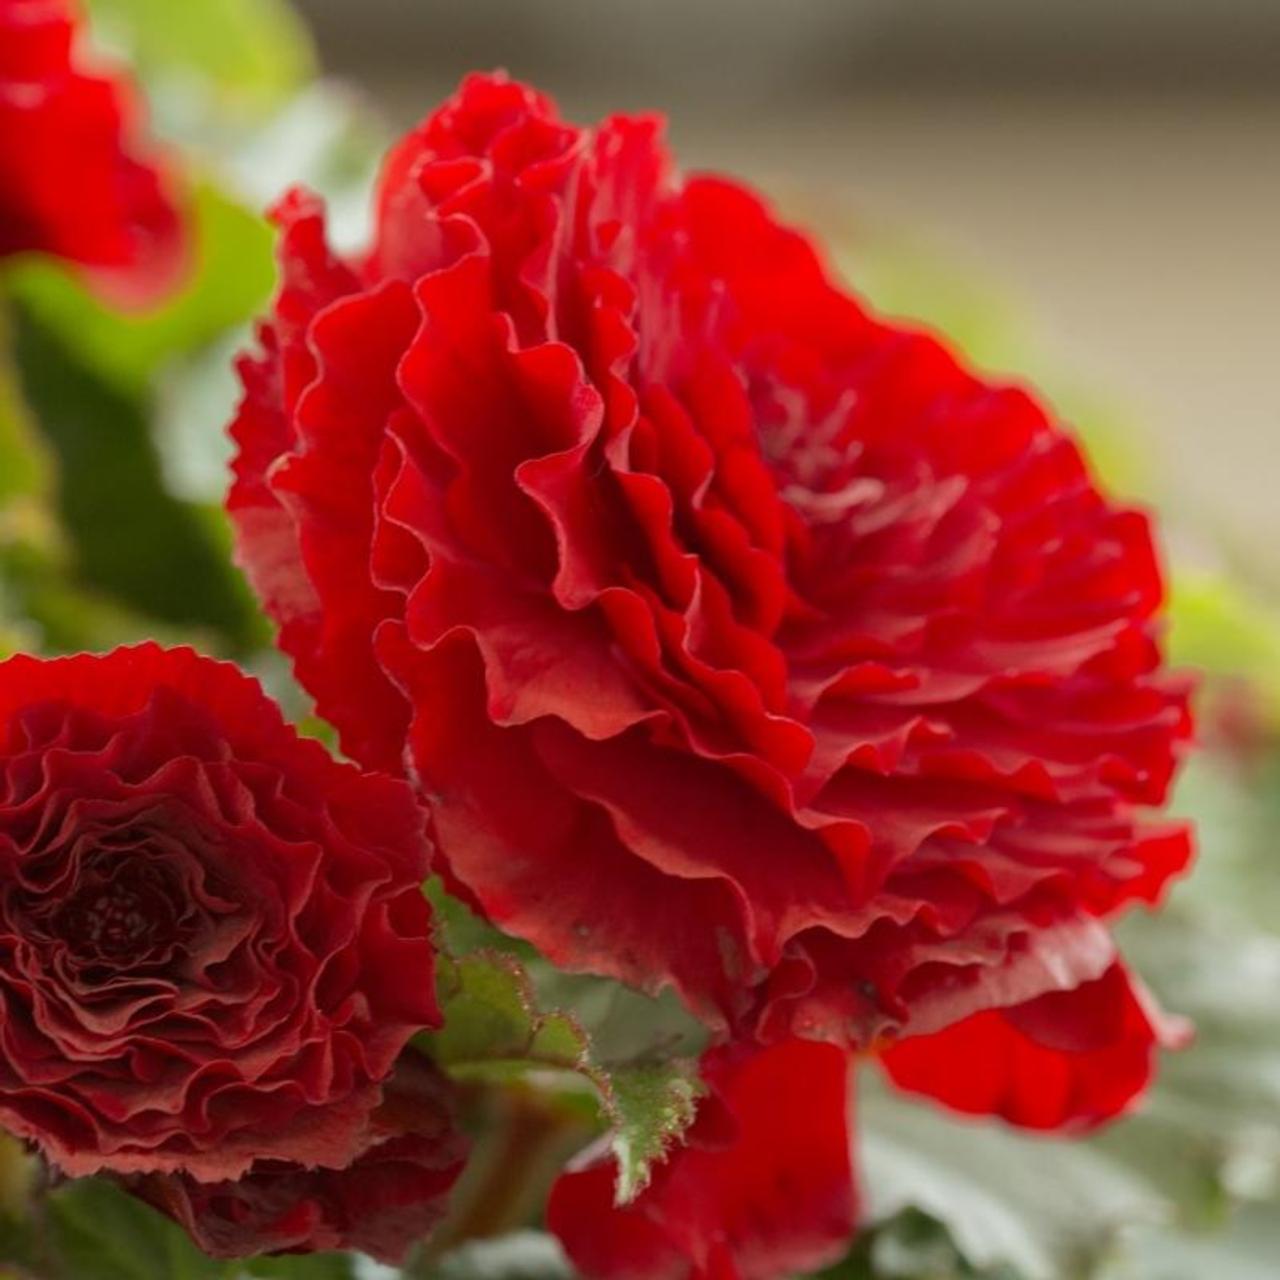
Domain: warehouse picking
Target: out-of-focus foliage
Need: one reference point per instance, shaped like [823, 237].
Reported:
[130, 539]
[1222, 628]
[97, 544]
[241, 56]
[92, 1230]
[232, 277]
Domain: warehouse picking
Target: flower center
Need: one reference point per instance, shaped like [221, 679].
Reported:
[115, 920]
[124, 912]
[818, 468]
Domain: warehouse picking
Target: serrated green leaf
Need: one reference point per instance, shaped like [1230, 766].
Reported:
[491, 1020]
[652, 1104]
[497, 1029]
[622, 1024]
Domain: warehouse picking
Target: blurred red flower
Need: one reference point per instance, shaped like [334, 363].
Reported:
[213, 941]
[76, 179]
[741, 641]
[389, 1197]
[764, 1187]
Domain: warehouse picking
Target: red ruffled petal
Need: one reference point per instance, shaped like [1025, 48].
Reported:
[389, 1198]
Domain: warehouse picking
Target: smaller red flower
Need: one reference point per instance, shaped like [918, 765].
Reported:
[764, 1188]
[76, 179]
[392, 1195]
[213, 941]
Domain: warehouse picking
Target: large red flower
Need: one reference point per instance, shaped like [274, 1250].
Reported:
[741, 640]
[213, 942]
[76, 181]
[390, 1197]
[763, 1188]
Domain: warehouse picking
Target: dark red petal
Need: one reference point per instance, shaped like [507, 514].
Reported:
[390, 1197]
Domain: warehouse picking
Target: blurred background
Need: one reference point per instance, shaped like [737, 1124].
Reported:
[1112, 168]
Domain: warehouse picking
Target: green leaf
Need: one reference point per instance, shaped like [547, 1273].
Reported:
[26, 470]
[314, 1266]
[28, 533]
[99, 1232]
[90, 1229]
[1051, 1209]
[910, 1246]
[130, 539]
[497, 1030]
[492, 1025]
[17, 1171]
[651, 1105]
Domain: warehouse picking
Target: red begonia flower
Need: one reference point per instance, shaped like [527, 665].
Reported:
[390, 1197]
[76, 179]
[742, 641]
[213, 941]
[763, 1189]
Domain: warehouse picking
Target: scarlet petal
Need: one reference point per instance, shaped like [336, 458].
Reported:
[390, 1197]
[76, 179]
[764, 1188]
[493, 801]
[1070, 1060]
